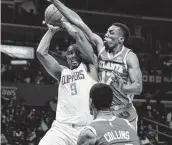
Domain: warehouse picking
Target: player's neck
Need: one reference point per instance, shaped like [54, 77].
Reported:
[117, 49]
[104, 114]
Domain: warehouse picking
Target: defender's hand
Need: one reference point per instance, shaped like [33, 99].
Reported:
[63, 19]
[64, 22]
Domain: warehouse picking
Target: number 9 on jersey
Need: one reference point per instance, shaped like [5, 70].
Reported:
[73, 89]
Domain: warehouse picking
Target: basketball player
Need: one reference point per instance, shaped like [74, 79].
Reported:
[118, 65]
[106, 129]
[73, 93]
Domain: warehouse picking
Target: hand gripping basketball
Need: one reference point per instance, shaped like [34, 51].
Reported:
[52, 28]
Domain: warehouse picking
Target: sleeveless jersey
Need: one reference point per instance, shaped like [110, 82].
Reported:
[117, 64]
[73, 96]
[115, 131]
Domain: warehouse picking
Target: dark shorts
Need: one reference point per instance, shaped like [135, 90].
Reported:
[128, 112]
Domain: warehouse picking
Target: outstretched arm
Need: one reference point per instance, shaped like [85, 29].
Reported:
[75, 19]
[135, 75]
[86, 137]
[85, 47]
[49, 63]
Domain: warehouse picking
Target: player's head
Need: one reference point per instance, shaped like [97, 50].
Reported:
[117, 34]
[101, 97]
[73, 56]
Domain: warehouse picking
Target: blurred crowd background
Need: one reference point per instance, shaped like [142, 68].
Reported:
[26, 124]
[29, 94]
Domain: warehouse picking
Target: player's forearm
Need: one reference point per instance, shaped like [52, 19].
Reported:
[134, 88]
[71, 29]
[45, 43]
[86, 49]
[69, 14]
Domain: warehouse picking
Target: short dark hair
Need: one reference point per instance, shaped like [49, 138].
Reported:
[124, 29]
[73, 46]
[101, 95]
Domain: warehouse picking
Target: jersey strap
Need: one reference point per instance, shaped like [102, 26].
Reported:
[125, 57]
[100, 52]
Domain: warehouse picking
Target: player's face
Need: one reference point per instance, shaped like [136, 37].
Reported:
[112, 37]
[73, 57]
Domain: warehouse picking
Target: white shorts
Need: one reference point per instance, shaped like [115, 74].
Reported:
[61, 134]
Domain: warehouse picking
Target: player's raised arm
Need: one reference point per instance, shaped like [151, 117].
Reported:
[86, 137]
[85, 47]
[75, 19]
[49, 63]
[135, 75]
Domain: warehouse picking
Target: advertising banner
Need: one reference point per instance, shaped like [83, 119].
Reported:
[32, 94]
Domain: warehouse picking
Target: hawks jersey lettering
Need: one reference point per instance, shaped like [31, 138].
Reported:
[115, 131]
[117, 64]
[73, 96]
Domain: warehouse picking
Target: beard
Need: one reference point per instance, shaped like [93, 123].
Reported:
[108, 48]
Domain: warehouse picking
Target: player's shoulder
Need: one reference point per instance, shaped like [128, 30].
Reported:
[89, 130]
[65, 68]
[83, 66]
[121, 120]
[91, 69]
[131, 58]
[125, 123]
[95, 124]
[87, 135]
[129, 52]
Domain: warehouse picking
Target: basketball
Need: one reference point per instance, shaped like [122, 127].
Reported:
[52, 15]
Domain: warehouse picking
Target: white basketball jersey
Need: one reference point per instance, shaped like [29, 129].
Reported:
[73, 96]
